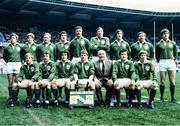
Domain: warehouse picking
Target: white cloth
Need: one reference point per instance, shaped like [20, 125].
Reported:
[167, 65]
[13, 67]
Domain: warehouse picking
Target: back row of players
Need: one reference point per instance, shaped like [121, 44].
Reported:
[81, 63]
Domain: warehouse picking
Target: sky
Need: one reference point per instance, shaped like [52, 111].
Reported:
[146, 5]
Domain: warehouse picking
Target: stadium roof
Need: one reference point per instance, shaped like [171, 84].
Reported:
[65, 10]
[144, 5]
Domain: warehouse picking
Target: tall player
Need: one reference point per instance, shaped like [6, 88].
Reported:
[166, 54]
[13, 59]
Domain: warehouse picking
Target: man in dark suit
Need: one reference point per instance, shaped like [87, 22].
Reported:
[103, 78]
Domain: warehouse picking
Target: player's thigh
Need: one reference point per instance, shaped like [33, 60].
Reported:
[61, 82]
[82, 83]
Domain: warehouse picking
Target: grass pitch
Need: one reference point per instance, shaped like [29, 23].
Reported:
[164, 113]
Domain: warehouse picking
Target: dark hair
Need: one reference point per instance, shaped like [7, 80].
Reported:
[63, 32]
[118, 30]
[67, 52]
[122, 50]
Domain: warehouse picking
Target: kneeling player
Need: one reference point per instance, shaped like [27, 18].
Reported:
[84, 73]
[65, 75]
[123, 76]
[47, 75]
[146, 78]
[28, 76]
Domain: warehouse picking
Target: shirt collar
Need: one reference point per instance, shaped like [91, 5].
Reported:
[165, 41]
[141, 42]
[79, 38]
[100, 38]
[119, 41]
[147, 61]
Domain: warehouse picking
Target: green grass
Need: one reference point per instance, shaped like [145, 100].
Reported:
[163, 114]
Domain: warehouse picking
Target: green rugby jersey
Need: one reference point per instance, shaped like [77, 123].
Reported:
[30, 72]
[97, 44]
[61, 47]
[42, 48]
[29, 49]
[12, 53]
[65, 70]
[115, 48]
[123, 70]
[77, 45]
[84, 70]
[138, 46]
[166, 50]
[145, 71]
[47, 71]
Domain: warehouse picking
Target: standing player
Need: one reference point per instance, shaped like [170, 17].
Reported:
[146, 78]
[30, 47]
[63, 45]
[141, 44]
[99, 42]
[103, 78]
[47, 74]
[118, 45]
[65, 75]
[123, 75]
[28, 76]
[46, 46]
[13, 59]
[77, 44]
[166, 53]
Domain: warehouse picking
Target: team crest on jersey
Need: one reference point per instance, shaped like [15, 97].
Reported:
[147, 68]
[82, 42]
[170, 45]
[126, 66]
[33, 48]
[103, 41]
[66, 46]
[32, 68]
[48, 67]
[123, 45]
[146, 47]
[18, 49]
[68, 66]
[86, 67]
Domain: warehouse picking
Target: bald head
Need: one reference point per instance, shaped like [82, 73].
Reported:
[102, 55]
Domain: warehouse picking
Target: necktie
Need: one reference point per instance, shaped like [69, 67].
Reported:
[103, 67]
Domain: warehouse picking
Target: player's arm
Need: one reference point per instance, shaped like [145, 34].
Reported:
[71, 72]
[114, 72]
[153, 73]
[36, 73]
[21, 75]
[93, 44]
[105, 46]
[76, 72]
[52, 72]
[91, 72]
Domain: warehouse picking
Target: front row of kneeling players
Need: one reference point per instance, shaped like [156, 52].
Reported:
[122, 73]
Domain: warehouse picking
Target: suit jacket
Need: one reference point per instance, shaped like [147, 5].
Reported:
[107, 70]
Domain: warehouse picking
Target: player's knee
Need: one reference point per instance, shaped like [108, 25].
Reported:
[116, 85]
[53, 84]
[110, 83]
[36, 85]
[15, 86]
